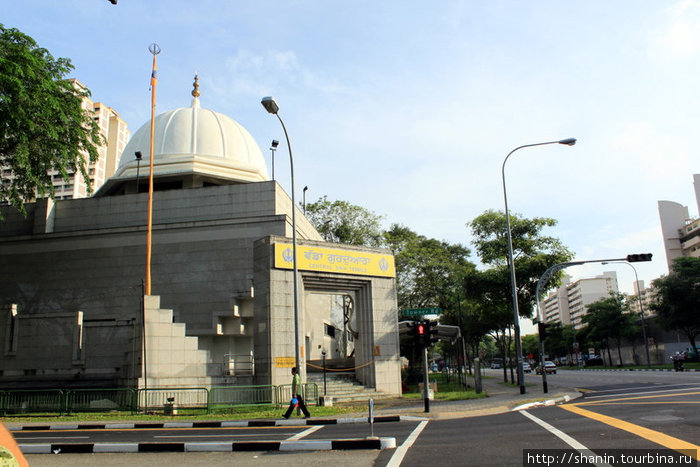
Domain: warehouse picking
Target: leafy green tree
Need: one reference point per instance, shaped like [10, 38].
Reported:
[342, 222]
[531, 345]
[42, 123]
[609, 318]
[533, 252]
[428, 271]
[677, 298]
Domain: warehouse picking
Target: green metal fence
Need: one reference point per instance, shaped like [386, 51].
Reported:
[19, 402]
[309, 391]
[65, 401]
[228, 396]
[159, 399]
[101, 400]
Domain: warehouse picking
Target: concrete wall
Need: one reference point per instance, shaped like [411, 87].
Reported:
[89, 255]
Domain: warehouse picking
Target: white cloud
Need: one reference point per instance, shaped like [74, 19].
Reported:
[680, 37]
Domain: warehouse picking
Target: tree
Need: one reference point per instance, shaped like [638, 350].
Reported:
[43, 126]
[609, 318]
[428, 271]
[342, 222]
[677, 298]
[533, 252]
[531, 345]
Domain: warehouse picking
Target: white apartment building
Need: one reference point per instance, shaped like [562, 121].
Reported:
[681, 232]
[116, 135]
[567, 304]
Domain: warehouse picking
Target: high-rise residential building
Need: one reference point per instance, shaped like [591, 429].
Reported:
[646, 294]
[116, 135]
[567, 304]
[681, 232]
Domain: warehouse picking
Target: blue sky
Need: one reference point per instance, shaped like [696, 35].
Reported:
[408, 108]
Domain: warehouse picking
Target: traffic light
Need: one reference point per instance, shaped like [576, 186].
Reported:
[432, 332]
[420, 333]
[542, 329]
[639, 257]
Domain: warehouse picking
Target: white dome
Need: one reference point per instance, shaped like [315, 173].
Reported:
[199, 141]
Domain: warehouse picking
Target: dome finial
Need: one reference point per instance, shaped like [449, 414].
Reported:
[195, 91]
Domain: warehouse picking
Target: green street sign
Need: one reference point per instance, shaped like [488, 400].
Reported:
[421, 311]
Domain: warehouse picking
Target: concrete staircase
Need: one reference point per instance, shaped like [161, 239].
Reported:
[344, 387]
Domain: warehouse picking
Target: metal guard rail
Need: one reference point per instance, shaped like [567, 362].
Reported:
[67, 401]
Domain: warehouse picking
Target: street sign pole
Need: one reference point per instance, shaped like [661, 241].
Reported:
[425, 379]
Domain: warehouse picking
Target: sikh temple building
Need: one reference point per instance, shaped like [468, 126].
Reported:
[73, 312]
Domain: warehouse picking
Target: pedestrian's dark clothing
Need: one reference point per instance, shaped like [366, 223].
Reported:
[296, 394]
[302, 406]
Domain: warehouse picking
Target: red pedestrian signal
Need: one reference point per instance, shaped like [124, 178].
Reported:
[420, 334]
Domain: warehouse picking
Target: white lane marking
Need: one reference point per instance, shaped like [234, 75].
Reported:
[303, 434]
[403, 449]
[642, 393]
[564, 437]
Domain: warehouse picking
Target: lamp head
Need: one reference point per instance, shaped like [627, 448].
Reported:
[138, 155]
[568, 141]
[275, 143]
[270, 105]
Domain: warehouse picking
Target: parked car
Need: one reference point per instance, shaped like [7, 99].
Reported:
[495, 365]
[549, 367]
[527, 368]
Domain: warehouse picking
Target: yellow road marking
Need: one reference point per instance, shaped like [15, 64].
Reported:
[654, 436]
[584, 390]
[637, 398]
[645, 403]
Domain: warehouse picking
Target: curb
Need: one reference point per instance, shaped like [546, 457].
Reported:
[242, 423]
[233, 446]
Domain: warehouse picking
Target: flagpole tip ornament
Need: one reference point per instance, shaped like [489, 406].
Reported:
[195, 91]
[154, 48]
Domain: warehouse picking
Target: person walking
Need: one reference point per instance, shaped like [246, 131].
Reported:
[296, 395]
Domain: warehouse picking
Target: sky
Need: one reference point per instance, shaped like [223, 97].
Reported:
[408, 108]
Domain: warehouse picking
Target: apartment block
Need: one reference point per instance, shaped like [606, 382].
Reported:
[680, 231]
[567, 304]
[116, 135]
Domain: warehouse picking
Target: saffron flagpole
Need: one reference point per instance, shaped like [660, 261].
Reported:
[155, 50]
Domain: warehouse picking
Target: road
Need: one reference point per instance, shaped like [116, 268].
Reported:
[630, 410]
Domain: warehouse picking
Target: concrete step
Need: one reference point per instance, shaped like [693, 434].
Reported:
[344, 388]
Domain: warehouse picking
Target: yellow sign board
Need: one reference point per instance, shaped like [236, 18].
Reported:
[312, 258]
[284, 362]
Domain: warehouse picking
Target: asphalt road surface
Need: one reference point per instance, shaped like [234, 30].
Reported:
[638, 411]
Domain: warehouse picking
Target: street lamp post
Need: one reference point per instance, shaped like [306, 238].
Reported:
[514, 290]
[139, 156]
[273, 148]
[272, 107]
[641, 309]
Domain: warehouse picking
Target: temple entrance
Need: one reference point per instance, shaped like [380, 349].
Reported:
[331, 329]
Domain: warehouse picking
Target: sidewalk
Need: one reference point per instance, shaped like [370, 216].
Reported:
[501, 398]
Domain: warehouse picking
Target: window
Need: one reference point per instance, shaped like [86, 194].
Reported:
[330, 330]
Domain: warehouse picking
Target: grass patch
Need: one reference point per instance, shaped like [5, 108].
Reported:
[450, 390]
[233, 413]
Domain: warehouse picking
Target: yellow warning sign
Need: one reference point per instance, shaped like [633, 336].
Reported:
[284, 362]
